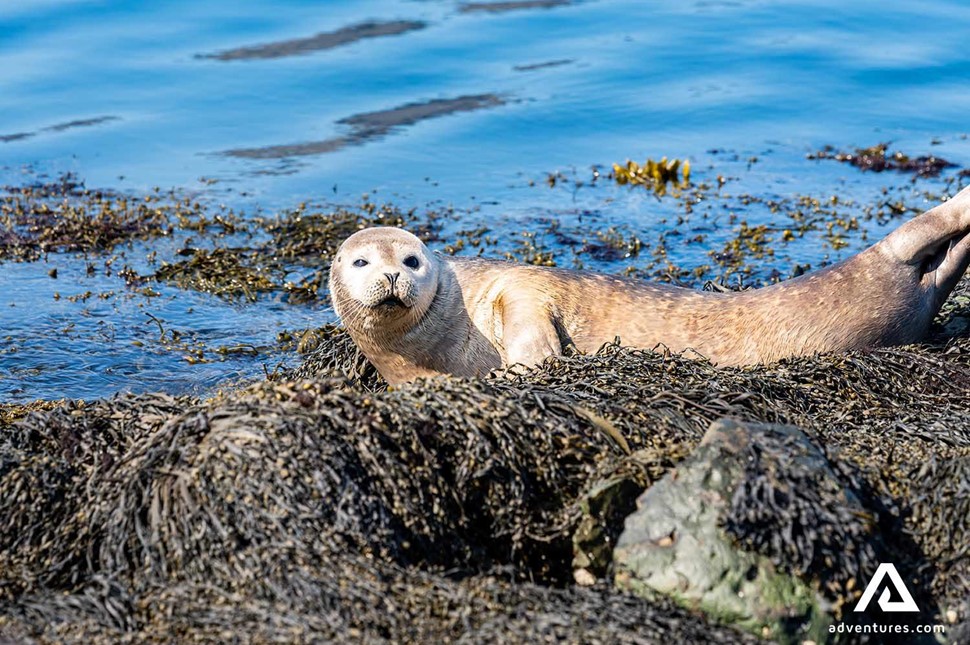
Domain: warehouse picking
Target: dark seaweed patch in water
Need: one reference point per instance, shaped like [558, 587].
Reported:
[318, 42]
[58, 127]
[64, 216]
[80, 123]
[536, 66]
[298, 239]
[17, 136]
[501, 7]
[878, 159]
[372, 125]
[383, 120]
[222, 272]
[307, 237]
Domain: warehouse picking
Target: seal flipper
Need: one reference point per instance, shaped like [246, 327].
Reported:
[530, 335]
[936, 243]
[951, 263]
[929, 235]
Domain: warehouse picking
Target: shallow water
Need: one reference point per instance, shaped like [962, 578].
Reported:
[428, 103]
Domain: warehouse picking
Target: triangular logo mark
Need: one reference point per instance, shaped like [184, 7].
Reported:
[887, 569]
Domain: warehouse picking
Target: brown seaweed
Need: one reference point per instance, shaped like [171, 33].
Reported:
[878, 159]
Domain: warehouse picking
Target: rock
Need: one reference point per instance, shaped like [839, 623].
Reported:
[603, 509]
[676, 543]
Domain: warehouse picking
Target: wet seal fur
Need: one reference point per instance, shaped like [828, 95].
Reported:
[414, 313]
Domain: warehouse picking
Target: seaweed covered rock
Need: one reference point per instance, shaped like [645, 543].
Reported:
[769, 488]
[602, 510]
[940, 506]
[310, 506]
[336, 356]
[358, 600]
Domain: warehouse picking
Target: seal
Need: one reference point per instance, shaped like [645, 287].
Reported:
[414, 313]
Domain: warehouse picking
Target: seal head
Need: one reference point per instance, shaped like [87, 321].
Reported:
[382, 279]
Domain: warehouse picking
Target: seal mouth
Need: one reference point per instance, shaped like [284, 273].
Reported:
[392, 302]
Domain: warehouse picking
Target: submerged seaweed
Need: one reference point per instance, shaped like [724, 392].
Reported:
[221, 272]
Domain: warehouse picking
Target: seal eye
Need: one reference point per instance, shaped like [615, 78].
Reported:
[411, 262]
[360, 262]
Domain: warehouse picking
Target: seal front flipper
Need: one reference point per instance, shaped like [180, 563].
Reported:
[525, 329]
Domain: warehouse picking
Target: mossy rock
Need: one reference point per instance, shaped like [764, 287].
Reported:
[675, 544]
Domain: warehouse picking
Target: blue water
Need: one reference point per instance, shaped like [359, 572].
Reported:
[127, 95]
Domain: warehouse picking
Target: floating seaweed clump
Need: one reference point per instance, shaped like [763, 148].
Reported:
[299, 235]
[63, 216]
[751, 241]
[655, 175]
[325, 505]
[878, 159]
[222, 272]
[34, 222]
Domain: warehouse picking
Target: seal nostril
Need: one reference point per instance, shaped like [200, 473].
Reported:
[392, 278]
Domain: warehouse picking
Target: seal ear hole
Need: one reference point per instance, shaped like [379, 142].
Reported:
[360, 262]
[412, 262]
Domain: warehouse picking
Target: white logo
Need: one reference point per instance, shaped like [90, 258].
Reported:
[887, 569]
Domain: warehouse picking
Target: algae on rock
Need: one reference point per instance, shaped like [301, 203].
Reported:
[674, 546]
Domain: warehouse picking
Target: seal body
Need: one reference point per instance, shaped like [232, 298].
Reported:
[414, 313]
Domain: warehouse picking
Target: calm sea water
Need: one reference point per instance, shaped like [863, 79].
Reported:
[426, 103]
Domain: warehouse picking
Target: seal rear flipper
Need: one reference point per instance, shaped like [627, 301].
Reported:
[949, 264]
[942, 268]
[929, 236]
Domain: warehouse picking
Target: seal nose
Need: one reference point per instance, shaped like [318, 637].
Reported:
[392, 278]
